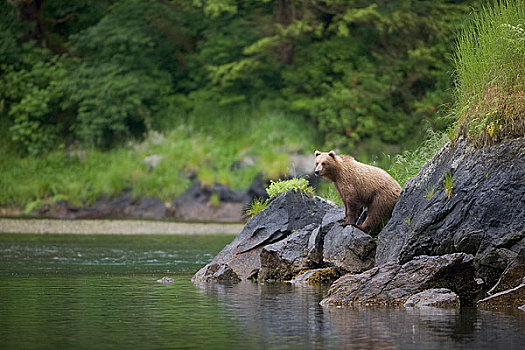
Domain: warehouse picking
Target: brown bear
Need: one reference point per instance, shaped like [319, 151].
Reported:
[359, 185]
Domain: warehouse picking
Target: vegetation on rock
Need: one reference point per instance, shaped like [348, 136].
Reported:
[490, 74]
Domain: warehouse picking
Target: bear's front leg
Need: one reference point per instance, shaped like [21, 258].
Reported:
[351, 214]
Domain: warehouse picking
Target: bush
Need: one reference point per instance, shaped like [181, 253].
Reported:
[490, 71]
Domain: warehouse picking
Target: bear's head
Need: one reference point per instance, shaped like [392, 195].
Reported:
[326, 164]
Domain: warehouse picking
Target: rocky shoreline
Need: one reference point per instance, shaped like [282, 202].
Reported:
[444, 246]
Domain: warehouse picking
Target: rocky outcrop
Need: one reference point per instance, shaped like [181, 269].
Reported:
[295, 233]
[287, 214]
[481, 212]
[392, 284]
[436, 297]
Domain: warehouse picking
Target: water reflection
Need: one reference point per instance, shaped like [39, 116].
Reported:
[101, 292]
[285, 315]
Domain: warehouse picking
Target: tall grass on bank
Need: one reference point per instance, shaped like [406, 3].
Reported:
[408, 164]
[490, 74]
[230, 150]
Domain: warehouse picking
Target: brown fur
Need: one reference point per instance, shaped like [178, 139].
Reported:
[359, 185]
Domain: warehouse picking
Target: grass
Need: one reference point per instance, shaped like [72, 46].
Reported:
[448, 184]
[210, 151]
[407, 164]
[490, 74]
[256, 206]
[430, 193]
[281, 186]
[275, 189]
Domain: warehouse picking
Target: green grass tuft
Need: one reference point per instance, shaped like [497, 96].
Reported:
[256, 206]
[409, 163]
[490, 74]
[448, 184]
[430, 193]
[281, 186]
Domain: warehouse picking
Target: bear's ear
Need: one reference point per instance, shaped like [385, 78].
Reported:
[317, 153]
[331, 154]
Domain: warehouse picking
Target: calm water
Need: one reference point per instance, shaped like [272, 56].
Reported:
[80, 292]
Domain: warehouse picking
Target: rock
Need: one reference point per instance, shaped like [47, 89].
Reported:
[486, 206]
[219, 273]
[152, 161]
[282, 260]
[513, 275]
[392, 284]
[316, 240]
[436, 297]
[301, 165]
[147, 208]
[324, 276]
[258, 188]
[166, 280]
[349, 249]
[289, 212]
[514, 297]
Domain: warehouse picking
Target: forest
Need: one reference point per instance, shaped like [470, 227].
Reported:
[91, 87]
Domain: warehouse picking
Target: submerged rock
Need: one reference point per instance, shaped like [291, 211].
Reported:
[289, 212]
[392, 284]
[482, 213]
[436, 297]
[166, 280]
[322, 276]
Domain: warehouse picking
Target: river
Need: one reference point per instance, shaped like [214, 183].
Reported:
[100, 292]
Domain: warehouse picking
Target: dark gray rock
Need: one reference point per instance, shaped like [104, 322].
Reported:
[282, 260]
[513, 275]
[486, 206]
[349, 249]
[511, 298]
[436, 297]
[316, 241]
[321, 276]
[219, 273]
[392, 284]
[289, 212]
[147, 208]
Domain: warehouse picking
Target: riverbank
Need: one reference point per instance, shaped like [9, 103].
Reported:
[49, 226]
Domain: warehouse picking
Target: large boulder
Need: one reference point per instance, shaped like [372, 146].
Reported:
[349, 249]
[286, 214]
[282, 260]
[482, 213]
[392, 284]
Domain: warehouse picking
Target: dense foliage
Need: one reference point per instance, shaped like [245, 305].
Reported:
[368, 75]
[221, 90]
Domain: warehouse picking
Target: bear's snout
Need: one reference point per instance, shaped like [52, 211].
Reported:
[317, 172]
